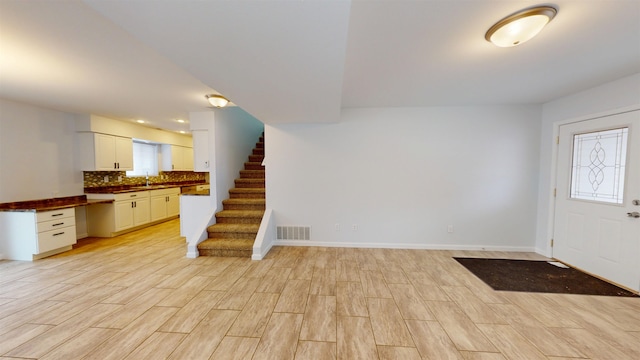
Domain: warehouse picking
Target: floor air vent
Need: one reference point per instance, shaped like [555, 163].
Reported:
[294, 232]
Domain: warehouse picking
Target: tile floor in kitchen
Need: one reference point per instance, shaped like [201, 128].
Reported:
[137, 297]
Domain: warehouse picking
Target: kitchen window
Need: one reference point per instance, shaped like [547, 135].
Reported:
[145, 159]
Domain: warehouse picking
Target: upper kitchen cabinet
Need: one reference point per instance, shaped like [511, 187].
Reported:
[101, 152]
[177, 158]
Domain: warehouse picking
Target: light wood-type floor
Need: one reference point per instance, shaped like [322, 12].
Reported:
[137, 297]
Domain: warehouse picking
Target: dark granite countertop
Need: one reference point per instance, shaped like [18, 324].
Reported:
[50, 204]
[132, 188]
[196, 193]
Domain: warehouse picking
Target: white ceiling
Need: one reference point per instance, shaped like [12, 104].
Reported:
[301, 61]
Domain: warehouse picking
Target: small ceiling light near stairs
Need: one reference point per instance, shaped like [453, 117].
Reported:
[520, 27]
[218, 101]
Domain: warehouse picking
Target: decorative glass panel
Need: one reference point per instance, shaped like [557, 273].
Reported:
[598, 166]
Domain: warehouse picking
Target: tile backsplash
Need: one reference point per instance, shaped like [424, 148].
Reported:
[117, 178]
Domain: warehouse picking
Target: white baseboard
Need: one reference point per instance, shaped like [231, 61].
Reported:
[405, 246]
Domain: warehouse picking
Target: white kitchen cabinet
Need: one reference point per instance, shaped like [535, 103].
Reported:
[123, 215]
[165, 203]
[31, 235]
[177, 158]
[173, 205]
[102, 152]
[129, 210]
[200, 150]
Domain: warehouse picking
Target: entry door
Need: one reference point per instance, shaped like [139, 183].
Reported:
[598, 189]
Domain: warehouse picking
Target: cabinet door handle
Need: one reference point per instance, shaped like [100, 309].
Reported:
[60, 233]
[132, 203]
[115, 165]
[58, 224]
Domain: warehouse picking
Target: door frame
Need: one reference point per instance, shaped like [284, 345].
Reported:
[551, 210]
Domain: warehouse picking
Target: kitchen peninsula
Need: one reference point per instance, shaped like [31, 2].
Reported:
[132, 207]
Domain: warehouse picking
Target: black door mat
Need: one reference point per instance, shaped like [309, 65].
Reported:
[538, 276]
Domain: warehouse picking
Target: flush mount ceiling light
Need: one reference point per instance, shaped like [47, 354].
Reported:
[217, 100]
[520, 27]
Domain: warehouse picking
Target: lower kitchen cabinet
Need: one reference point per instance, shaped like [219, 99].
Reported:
[128, 211]
[165, 203]
[131, 210]
[32, 235]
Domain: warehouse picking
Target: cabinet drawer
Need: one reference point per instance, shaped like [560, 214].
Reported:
[56, 224]
[57, 238]
[131, 196]
[55, 214]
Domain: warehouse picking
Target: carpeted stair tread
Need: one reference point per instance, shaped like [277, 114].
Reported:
[227, 244]
[250, 183]
[252, 174]
[234, 213]
[244, 204]
[253, 165]
[233, 228]
[247, 190]
[249, 215]
[257, 193]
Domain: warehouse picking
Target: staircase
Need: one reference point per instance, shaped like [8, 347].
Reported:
[237, 224]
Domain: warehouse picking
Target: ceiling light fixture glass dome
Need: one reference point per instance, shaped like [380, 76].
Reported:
[218, 101]
[520, 27]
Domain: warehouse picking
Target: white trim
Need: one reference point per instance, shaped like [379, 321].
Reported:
[404, 246]
[266, 236]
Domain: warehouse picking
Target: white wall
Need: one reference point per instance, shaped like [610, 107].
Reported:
[236, 134]
[37, 154]
[623, 94]
[404, 174]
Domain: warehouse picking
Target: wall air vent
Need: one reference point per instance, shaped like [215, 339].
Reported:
[293, 232]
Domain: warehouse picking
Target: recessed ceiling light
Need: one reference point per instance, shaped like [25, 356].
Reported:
[180, 121]
[140, 121]
[182, 132]
[520, 27]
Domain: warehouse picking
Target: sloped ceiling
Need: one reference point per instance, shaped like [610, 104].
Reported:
[301, 61]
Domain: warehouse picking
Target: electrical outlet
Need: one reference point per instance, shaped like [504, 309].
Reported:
[106, 178]
[450, 229]
[337, 226]
[119, 178]
[354, 227]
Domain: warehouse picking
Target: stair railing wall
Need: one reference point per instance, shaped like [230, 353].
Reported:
[202, 213]
[266, 236]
